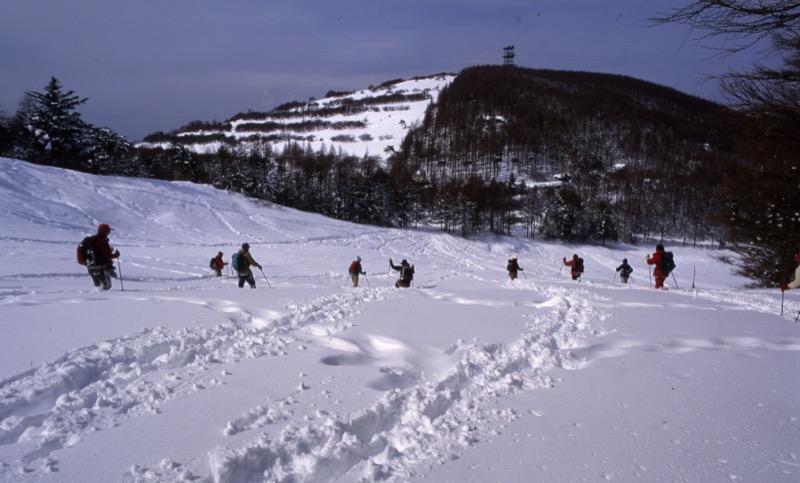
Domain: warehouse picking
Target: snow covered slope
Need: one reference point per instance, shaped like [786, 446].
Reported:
[464, 377]
[360, 123]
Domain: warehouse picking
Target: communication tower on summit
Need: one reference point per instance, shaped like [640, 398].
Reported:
[508, 55]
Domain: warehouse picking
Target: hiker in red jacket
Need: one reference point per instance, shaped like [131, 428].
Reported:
[655, 259]
[101, 267]
[575, 266]
[355, 270]
[217, 263]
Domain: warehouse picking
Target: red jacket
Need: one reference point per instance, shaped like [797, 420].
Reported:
[655, 259]
[219, 264]
[102, 250]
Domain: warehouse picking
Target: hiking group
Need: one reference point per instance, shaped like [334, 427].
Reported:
[664, 262]
[404, 281]
[95, 252]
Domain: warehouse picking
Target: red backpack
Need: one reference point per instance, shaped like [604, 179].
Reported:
[353, 267]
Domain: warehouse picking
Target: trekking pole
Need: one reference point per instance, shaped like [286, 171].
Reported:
[675, 279]
[694, 270]
[559, 271]
[614, 278]
[121, 285]
[523, 273]
[265, 277]
[797, 319]
[369, 286]
[782, 294]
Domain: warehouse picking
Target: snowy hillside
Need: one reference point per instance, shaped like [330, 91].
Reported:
[175, 375]
[360, 123]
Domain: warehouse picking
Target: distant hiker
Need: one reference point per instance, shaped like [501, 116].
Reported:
[513, 267]
[624, 270]
[796, 282]
[95, 252]
[241, 262]
[217, 263]
[664, 264]
[406, 273]
[575, 264]
[355, 270]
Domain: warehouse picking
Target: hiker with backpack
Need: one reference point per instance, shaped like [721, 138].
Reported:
[406, 273]
[95, 252]
[575, 264]
[624, 270]
[664, 264]
[513, 267]
[796, 282]
[217, 264]
[355, 270]
[241, 261]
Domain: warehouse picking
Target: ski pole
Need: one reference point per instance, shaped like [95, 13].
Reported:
[523, 273]
[782, 294]
[265, 276]
[559, 271]
[614, 278]
[694, 270]
[796, 319]
[369, 286]
[676, 280]
[121, 285]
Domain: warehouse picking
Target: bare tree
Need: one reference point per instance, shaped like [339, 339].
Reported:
[743, 24]
[760, 191]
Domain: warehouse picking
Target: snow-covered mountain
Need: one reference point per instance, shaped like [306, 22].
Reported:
[366, 122]
[176, 375]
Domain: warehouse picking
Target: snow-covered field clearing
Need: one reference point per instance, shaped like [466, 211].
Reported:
[467, 376]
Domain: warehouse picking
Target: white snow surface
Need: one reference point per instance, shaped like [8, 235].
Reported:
[176, 375]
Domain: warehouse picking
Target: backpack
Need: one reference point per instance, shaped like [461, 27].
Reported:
[235, 263]
[353, 267]
[407, 273]
[85, 251]
[211, 264]
[626, 271]
[579, 265]
[667, 263]
[510, 266]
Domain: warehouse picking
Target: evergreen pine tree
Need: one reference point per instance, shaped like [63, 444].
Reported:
[53, 131]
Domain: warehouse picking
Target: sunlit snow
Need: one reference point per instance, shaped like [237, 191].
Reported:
[176, 375]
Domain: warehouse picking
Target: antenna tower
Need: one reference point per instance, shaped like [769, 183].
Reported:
[508, 55]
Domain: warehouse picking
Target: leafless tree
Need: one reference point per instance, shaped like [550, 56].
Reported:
[743, 24]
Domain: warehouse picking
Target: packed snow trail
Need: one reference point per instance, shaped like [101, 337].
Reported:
[406, 431]
[95, 387]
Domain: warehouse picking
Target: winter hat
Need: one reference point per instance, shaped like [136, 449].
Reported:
[624, 260]
[659, 248]
[358, 258]
[103, 228]
[245, 245]
[514, 256]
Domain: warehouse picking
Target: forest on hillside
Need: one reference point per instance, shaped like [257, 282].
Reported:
[633, 160]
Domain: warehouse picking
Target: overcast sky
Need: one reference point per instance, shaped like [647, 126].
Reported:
[151, 66]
